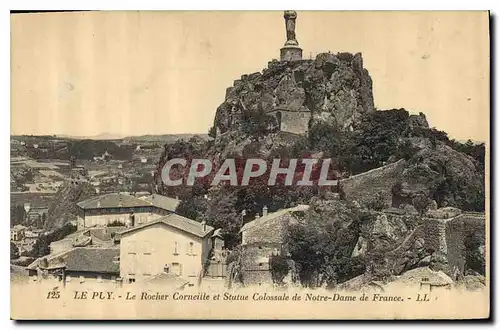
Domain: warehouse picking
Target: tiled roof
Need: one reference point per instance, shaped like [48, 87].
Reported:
[96, 260]
[169, 280]
[163, 202]
[112, 200]
[176, 221]
[272, 216]
[416, 276]
[124, 200]
[93, 260]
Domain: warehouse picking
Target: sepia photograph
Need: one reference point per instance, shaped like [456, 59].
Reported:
[260, 165]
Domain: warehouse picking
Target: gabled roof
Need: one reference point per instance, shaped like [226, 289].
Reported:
[168, 280]
[417, 276]
[111, 201]
[115, 200]
[176, 221]
[93, 260]
[82, 259]
[272, 216]
[163, 202]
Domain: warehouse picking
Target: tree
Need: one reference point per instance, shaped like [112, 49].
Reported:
[378, 203]
[193, 208]
[212, 132]
[221, 213]
[421, 203]
[14, 251]
[321, 244]
[279, 268]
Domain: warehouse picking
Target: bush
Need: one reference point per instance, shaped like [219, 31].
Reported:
[378, 203]
[115, 223]
[279, 268]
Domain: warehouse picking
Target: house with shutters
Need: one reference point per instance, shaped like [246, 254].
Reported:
[171, 245]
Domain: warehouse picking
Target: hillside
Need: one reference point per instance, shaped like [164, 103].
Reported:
[383, 159]
[63, 208]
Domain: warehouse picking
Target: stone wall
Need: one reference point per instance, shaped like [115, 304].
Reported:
[255, 263]
[296, 122]
[336, 84]
[267, 232]
[363, 187]
[457, 232]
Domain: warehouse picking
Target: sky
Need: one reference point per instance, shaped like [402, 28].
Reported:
[136, 73]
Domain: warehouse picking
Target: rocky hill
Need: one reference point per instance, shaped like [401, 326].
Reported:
[384, 160]
[63, 208]
[292, 96]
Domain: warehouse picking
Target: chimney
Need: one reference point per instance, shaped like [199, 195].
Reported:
[264, 211]
[204, 225]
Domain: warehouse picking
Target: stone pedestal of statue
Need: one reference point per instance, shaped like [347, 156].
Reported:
[291, 53]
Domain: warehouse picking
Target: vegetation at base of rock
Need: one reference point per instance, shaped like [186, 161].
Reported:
[321, 245]
[279, 268]
[14, 251]
[42, 245]
[432, 171]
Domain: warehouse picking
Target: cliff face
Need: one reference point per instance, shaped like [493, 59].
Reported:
[332, 88]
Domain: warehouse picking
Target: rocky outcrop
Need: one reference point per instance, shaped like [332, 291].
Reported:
[63, 208]
[444, 174]
[364, 187]
[332, 87]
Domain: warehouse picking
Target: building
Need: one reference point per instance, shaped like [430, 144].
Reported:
[172, 244]
[78, 265]
[262, 238]
[17, 232]
[123, 209]
[37, 216]
[423, 278]
[31, 235]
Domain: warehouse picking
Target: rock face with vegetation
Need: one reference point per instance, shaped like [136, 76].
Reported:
[291, 96]
[63, 208]
[388, 159]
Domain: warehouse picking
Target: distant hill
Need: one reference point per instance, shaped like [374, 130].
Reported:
[165, 138]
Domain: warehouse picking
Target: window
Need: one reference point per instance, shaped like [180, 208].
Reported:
[131, 247]
[176, 268]
[131, 280]
[176, 248]
[166, 269]
[190, 248]
[147, 247]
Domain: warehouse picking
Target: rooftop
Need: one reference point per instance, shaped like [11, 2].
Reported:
[176, 221]
[169, 280]
[162, 202]
[114, 200]
[96, 260]
[111, 201]
[272, 216]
